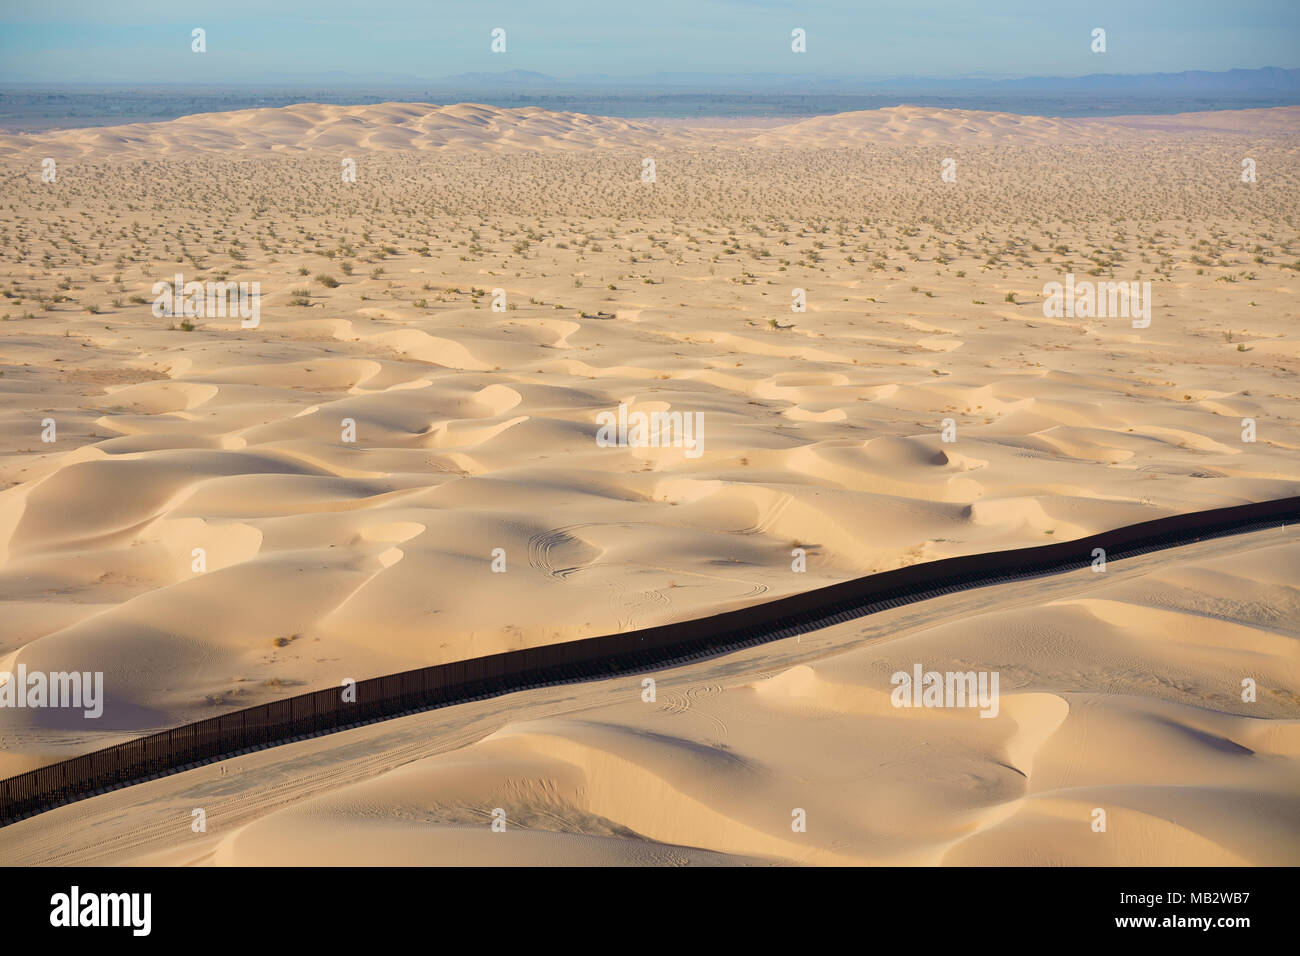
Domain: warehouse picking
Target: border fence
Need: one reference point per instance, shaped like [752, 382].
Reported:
[379, 698]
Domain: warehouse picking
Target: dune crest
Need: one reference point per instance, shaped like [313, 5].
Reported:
[421, 127]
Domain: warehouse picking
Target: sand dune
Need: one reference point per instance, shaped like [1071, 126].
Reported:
[418, 127]
[315, 126]
[1108, 710]
[229, 515]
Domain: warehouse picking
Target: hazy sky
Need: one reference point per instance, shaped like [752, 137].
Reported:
[148, 41]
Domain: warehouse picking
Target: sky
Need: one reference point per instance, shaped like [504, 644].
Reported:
[149, 41]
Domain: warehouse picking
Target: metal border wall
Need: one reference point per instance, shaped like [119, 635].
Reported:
[378, 698]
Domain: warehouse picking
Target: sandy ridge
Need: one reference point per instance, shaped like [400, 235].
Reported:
[418, 127]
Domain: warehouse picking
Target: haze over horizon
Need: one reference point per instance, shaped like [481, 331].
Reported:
[33, 107]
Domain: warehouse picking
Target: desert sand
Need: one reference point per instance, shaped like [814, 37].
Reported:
[1113, 697]
[325, 558]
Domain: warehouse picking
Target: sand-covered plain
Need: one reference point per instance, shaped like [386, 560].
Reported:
[475, 430]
